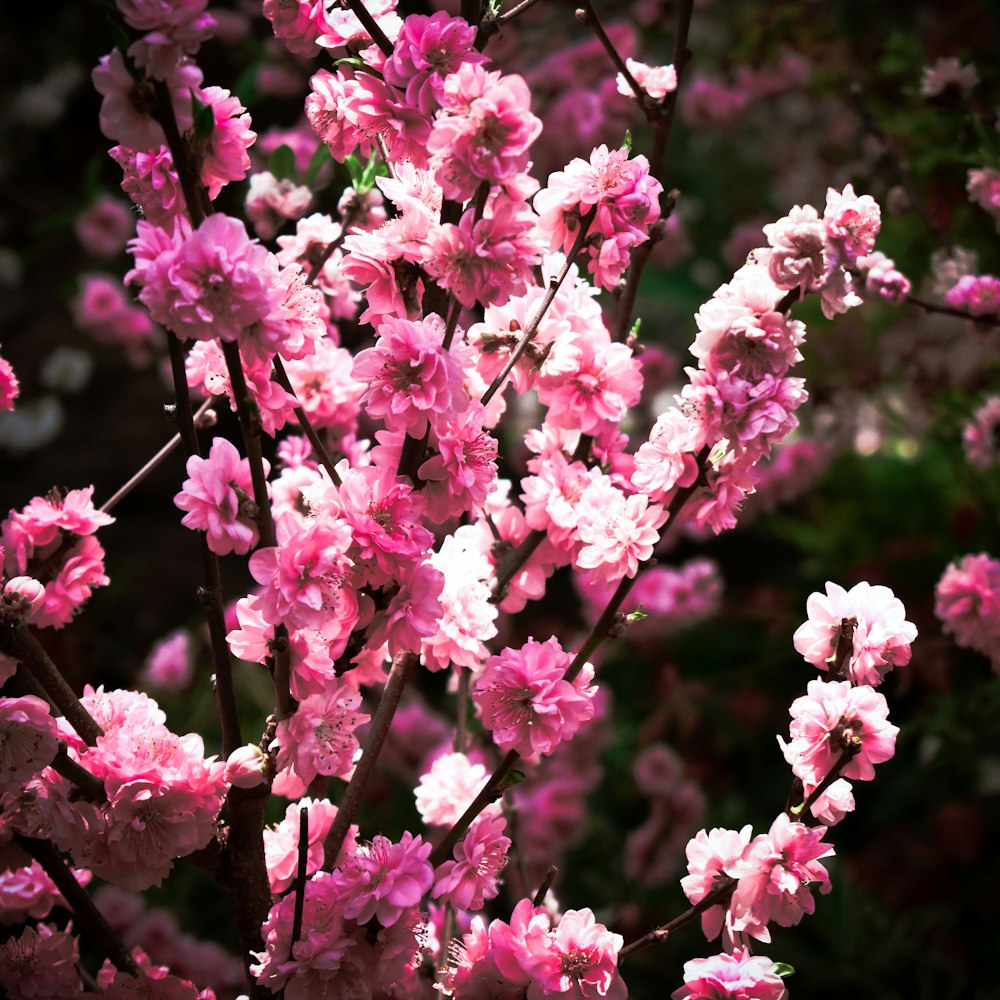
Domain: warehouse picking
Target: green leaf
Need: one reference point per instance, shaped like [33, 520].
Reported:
[281, 163]
[319, 158]
[514, 778]
[354, 169]
[636, 326]
[783, 969]
[204, 120]
[628, 140]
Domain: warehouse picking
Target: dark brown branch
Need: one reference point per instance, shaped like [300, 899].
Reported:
[300, 876]
[17, 641]
[370, 25]
[90, 920]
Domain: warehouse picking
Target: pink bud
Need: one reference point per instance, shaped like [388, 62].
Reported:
[246, 766]
[21, 596]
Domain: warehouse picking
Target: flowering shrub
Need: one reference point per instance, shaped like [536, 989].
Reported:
[497, 600]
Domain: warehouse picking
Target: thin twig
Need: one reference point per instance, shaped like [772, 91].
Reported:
[587, 16]
[402, 664]
[554, 285]
[123, 491]
[542, 890]
[319, 449]
[720, 894]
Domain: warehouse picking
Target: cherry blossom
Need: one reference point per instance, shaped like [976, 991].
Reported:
[880, 639]
[525, 702]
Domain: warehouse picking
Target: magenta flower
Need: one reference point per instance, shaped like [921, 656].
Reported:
[981, 435]
[218, 499]
[525, 702]
[580, 963]
[967, 600]
[473, 877]
[303, 575]
[410, 375]
[318, 738]
[384, 879]
[40, 962]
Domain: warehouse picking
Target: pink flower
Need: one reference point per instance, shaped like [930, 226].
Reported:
[967, 600]
[448, 788]
[852, 222]
[270, 202]
[712, 857]
[803, 256]
[626, 200]
[126, 105]
[983, 186]
[172, 30]
[281, 842]
[835, 717]
[591, 383]
[318, 738]
[323, 951]
[426, 51]
[948, 72]
[9, 386]
[218, 499]
[40, 962]
[777, 871]
[883, 279]
[303, 575]
[410, 375]
[881, 636]
[580, 962]
[149, 179]
[981, 435]
[740, 976]
[483, 132]
[384, 879]
[225, 158]
[473, 877]
[384, 516]
[656, 81]
[667, 458]
[977, 294]
[104, 228]
[29, 740]
[525, 702]
[464, 471]
[213, 286]
[617, 532]
[169, 666]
